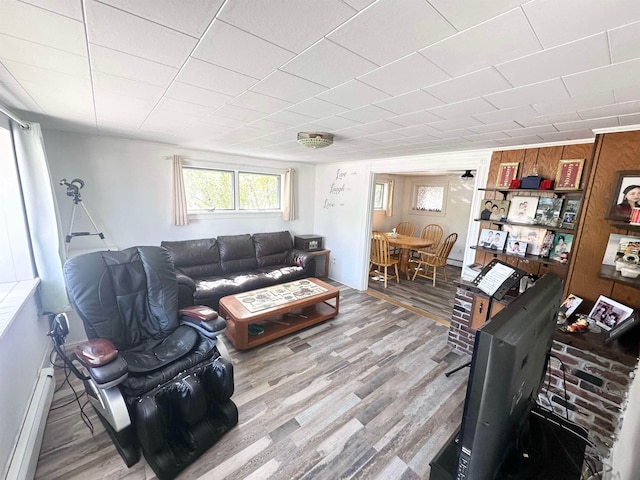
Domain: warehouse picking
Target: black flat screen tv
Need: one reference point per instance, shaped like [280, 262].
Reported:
[507, 372]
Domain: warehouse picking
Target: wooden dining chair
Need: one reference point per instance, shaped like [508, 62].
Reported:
[403, 228]
[381, 257]
[432, 232]
[436, 260]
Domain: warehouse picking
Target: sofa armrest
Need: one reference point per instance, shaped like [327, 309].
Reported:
[185, 281]
[303, 259]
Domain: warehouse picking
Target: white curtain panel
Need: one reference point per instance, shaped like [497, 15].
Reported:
[180, 216]
[42, 217]
[288, 202]
[389, 211]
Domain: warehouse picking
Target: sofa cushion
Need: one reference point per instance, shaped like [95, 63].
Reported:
[272, 248]
[195, 258]
[237, 253]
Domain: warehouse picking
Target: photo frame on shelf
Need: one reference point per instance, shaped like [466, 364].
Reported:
[570, 213]
[530, 235]
[523, 210]
[625, 195]
[608, 313]
[547, 244]
[493, 239]
[562, 243]
[494, 210]
[548, 211]
[506, 173]
[569, 305]
[569, 174]
[516, 247]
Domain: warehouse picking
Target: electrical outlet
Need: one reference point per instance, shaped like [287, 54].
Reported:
[333, 261]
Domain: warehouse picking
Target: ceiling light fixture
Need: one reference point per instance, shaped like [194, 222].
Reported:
[467, 175]
[315, 139]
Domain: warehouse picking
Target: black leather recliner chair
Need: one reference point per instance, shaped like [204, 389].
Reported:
[155, 376]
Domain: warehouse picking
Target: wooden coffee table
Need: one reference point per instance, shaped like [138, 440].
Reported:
[290, 315]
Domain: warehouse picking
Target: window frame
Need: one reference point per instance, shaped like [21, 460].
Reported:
[385, 196]
[236, 171]
[415, 186]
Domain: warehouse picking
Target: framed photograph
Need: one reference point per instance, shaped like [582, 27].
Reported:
[569, 305]
[506, 173]
[523, 210]
[547, 244]
[562, 243]
[619, 247]
[493, 239]
[569, 174]
[608, 313]
[548, 211]
[494, 210]
[570, 212]
[625, 196]
[516, 247]
[532, 236]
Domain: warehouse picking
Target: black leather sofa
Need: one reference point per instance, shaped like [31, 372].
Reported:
[211, 268]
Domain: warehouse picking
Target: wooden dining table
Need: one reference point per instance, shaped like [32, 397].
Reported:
[406, 243]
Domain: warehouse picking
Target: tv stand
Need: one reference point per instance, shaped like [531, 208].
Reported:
[554, 446]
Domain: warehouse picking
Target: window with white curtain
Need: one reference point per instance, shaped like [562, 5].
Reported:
[228, 190]
[381, 196]
[428, 199]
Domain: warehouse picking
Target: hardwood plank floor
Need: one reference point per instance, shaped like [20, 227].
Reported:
[361, 396]
[420, 295]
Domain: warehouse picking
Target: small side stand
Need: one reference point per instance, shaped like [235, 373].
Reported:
[450, 372]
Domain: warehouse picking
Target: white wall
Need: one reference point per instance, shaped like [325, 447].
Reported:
[24, 348]
[127, 192]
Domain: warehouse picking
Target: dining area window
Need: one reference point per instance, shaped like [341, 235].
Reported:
[381, 196]
[428, 199]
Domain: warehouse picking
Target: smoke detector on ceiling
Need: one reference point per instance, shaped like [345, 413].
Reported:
[315, 139]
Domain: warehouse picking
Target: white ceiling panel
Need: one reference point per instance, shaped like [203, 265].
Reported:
[128, 66]
[292, 25]
[496, 41]
[387, 77]
[405, 75]
[170, 13]
[585, 54]
[237, 50]
[556, 22]
[205, 75]
[387, 31]
[118, 30]
[41, 26]
[338, 65]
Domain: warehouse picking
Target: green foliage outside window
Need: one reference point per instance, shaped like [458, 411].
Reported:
[258, 191]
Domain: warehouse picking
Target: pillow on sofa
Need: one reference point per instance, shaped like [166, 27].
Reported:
[272, 248]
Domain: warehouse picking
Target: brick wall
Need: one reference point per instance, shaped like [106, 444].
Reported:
[461, 335]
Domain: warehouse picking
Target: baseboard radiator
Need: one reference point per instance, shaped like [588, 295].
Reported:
[25, 457]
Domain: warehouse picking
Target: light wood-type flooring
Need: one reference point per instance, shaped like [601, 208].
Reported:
[361, 396]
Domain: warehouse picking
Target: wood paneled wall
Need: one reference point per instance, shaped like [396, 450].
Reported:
[612, 152]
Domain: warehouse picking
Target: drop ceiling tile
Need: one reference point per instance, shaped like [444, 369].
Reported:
[335, 123]
[389, 136]
[71, 9]
[618, 75]
[14, 95]
[378, 126]
[36, 75]
[386, 32]
[507, 114]
[72, 101]
[574, 104]
[178, 106]
[626, 120]
[626, 94]
[44, 27]
[269, 125]
[316, 108]
[553, 90]
[572, 135]
[625, 42]
[353, 94]
[588, 124]
[192, 20]
[454, 129]
[115, 29]
[286, 23]
[617, 109]
[498, 40]
[260, 103]
[359, 4]
[409, 102]
[549, 119]
[463, 109]
[415, 118]
[584, 54]
[114, 110]
[417, 131]
[482, 137]
[351, 132]
[289, 118]
[455, 124]
[476, 84]
[128, 66]
[495, 127]
[164, 121]
[556, 23]
[527, 131]
[367, 114]
[205, 75]
[201, 96]
[238, 113]
[128, 88]
[237, 50]
[328, 64]
[405, 75]
[23, 51]
[463, 14]
[287, 87]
